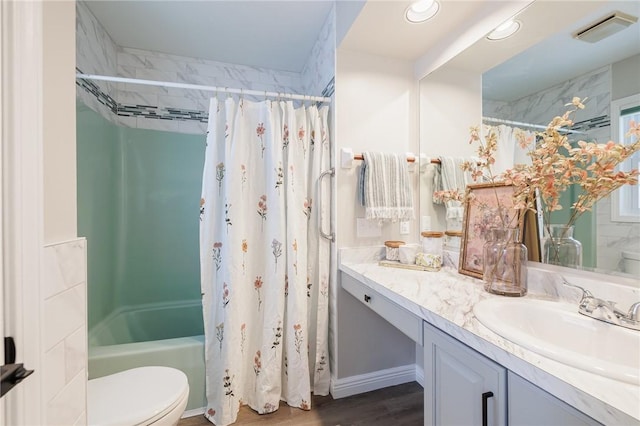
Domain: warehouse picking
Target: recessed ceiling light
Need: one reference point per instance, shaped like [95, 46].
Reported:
[421, 10]
[505, 30]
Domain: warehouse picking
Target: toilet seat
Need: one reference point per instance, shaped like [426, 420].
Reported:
[140, 396]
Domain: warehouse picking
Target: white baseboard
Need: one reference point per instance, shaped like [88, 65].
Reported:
[362, 383]
[194, 412]
[420, 375]
[353, 385]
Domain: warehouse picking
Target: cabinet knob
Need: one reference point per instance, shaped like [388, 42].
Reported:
[367, 298]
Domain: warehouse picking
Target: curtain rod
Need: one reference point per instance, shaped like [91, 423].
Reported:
[519, 123]
[203, 88]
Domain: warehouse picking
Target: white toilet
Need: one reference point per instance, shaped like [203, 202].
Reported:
[631, 262]
[140, 396]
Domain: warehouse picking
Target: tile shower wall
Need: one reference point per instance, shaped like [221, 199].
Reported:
[95, 54]
[320, 67]
[539, 108]
[65, 333]
[179, 110]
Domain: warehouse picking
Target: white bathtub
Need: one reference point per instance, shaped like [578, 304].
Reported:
[161, 334]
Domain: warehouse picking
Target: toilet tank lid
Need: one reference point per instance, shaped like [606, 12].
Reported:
[631, 255]
[135, 396]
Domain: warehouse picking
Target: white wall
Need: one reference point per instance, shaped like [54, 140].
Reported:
[63, 326]
[376, 109]
[59, 121]
[625, 80]
[450, 103]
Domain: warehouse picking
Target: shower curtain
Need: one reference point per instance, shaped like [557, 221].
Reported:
[265, 271]
[508, 152]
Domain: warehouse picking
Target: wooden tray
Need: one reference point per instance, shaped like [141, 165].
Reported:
[397, 264]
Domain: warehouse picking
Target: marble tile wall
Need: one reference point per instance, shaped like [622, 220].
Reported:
[65, 333]
[97, 53]
[541, 107]
[320, 68]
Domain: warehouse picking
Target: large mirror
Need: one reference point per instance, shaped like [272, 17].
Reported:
[526, 80]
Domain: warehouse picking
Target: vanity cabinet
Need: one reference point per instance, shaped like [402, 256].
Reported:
[531, 406]
[465, 387]
[462, 387]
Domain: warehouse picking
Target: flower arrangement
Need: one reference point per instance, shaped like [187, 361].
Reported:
[555, 166]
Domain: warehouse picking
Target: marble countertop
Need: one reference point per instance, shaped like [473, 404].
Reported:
[446, 300]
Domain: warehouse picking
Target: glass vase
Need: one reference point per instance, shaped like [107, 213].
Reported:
[560, 248]
[505, 263]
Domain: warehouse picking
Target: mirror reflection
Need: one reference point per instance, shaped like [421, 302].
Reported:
[527, 80]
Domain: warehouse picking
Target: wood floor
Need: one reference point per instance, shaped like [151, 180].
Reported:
[400, 405]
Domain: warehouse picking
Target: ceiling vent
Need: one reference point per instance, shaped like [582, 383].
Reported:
[603, 28]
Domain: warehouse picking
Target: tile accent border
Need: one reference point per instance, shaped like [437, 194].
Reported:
[144, 111]
[155, 112]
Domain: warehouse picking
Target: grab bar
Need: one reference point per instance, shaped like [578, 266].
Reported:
[330, 236]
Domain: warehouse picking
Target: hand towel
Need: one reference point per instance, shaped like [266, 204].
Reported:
[387, 191]
[361, 177]
[449, 176]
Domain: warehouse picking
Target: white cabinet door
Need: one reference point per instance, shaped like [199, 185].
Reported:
[462, 387]
[531, 406]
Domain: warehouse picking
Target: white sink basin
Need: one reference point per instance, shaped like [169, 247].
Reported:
[557, 331]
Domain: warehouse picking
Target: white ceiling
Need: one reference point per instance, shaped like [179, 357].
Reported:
[543, 53]
[262, 33]
[381, 29]
[280, 35]
[559, 57]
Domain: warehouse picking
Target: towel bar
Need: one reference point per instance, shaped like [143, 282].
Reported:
[347, 157]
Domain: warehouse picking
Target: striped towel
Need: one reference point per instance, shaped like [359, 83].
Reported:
[387, 188]
[449, 176]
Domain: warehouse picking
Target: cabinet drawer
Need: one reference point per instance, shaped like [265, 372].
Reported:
[403, 320]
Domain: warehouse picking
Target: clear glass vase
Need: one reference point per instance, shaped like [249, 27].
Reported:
[505, 263]
[560, 248]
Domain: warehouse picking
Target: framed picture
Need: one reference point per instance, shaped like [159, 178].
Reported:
[488, 205]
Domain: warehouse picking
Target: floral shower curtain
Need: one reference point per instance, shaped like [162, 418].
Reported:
[264, 269]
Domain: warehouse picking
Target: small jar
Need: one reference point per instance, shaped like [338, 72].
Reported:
[431, 249]
[432, 242]
[452, 239]
[407, 253]
[393, 252]
[451, 248]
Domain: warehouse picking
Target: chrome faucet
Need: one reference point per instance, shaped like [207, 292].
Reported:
[606, 311]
